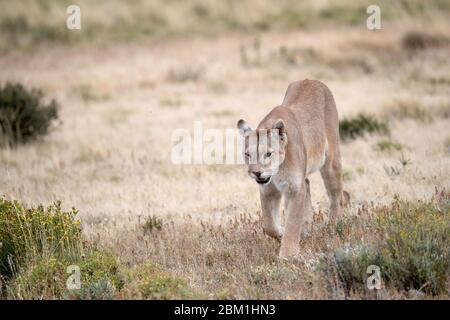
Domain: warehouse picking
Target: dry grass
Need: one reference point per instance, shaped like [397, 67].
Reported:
[110, 157]
[28, 23]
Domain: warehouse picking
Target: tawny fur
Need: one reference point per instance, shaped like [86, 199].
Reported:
[309, 141]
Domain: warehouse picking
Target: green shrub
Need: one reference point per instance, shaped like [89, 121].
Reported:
[23, 114]
[27, 233]
[415, 248]
[41, 279]
[47, 278]
[100, 290]
[100, 276]
[410, 243]
[359, 125]
[350, 264]
[37, 246]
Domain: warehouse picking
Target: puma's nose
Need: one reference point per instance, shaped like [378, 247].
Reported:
[257, 173]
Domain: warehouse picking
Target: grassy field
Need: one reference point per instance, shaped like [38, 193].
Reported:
[135, 73]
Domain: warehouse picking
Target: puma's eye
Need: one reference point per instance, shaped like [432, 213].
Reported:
[268, 154]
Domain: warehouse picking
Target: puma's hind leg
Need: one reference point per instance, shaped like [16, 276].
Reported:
[332, 177]
[308, 210]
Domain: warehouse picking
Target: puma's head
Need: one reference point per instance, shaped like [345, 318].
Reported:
[264, 149]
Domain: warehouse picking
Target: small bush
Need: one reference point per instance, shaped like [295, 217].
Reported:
[416, 245]
[37, 246]
[27, 233]
[409, 242]
[358, 126]
[101, 277]
[41, 279]
[47, 278]
[23, 114]
[350, 265]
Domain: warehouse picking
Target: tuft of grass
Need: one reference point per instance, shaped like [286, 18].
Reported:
[217, 87]
[86, 93]
[396, 170]
[250, 55]
[344, 14]
[152, 223]
[186, 74]
[269, 276]
[417, 40]
[170, 102]
[347, 175]
[409, 110]
[447, 145]
[24, 115]
[149, 282]
[358, 126]
[387, 146]
[443, 111]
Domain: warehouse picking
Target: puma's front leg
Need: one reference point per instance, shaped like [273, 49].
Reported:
[270, 204]
[295, 209]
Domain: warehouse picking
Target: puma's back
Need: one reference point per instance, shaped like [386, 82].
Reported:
[315, 110]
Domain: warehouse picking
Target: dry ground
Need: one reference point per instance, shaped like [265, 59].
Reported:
[110, 155]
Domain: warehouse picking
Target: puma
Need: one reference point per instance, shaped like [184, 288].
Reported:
[295, 139]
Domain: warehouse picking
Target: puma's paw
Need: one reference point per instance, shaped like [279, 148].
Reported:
[276, 233]
[288, 252]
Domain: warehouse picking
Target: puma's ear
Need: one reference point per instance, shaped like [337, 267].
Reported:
[279, 125]
[243, 127]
